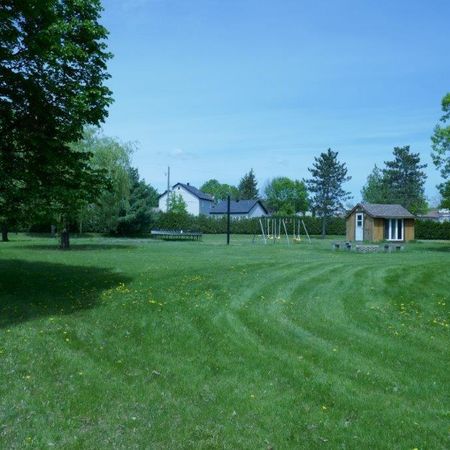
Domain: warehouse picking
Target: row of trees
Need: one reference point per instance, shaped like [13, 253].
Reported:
[247, 188]
[400, 181]
[284, 196]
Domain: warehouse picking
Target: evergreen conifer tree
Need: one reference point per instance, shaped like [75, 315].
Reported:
[325, 185]
[248, 186]
[405, 180]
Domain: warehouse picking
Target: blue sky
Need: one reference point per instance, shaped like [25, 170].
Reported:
[216, 87]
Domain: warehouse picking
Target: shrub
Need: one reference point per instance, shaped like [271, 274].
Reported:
[429, 229]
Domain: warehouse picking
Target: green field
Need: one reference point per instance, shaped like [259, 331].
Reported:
[166, 345]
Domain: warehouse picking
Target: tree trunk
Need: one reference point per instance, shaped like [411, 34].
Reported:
[65, 241]
[5, 232]
[324, 226]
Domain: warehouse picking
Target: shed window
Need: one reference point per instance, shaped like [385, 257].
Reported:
[393, 229]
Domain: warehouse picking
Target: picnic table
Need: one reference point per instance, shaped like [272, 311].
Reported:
[176, 235]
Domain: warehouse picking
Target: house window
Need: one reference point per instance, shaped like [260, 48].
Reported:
[393, 229]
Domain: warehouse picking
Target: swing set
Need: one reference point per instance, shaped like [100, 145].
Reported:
[272, 228]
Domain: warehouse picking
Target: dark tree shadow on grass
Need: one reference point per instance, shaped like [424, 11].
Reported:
[79, 247]
[30, 290]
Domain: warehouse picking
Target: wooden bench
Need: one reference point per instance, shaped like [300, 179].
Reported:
[176, 235]
[367, 248]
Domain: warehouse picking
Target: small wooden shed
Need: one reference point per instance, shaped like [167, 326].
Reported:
[376, 222]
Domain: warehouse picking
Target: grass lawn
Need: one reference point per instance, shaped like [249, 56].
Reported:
[166, 345]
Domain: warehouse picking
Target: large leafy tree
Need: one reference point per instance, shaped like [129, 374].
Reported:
[405, 180]
[113, 159]
[218, 190]
[375, 190]
[286, 196]
[325, 185]
[440, 143]
[441, 140]
[52, 73]
[248, 186]
[177, 205]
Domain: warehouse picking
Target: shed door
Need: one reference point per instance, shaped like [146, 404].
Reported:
[359, 227]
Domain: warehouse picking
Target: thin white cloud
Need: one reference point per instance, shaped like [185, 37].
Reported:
[178, 154]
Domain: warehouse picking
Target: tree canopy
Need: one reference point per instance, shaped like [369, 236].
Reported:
[440, 144]
[441, 140]
[401, 181]
[218, 190]
[375, 190]
[285, 196]
[325, 185]
[52, 83]
[405, 180]
[113, 158]
[248, 186]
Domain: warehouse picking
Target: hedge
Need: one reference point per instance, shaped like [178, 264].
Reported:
[212, 225]
[429, 229]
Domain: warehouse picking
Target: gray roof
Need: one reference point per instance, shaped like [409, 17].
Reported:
[193, 190]
[387, 211]
[237, 207]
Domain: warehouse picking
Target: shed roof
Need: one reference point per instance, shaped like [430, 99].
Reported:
[384, 211]
[193, 190]
[237, 207]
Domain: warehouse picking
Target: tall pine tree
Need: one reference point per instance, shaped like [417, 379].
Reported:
[325, 185]
[405, 180]
[248, 186]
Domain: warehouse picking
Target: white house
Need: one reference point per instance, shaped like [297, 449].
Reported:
[197, 202]
[239, 209]
[437, 215]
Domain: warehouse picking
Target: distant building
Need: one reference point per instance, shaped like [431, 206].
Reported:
[437, 215]
[197, 202]
[240, 209]
[376, 222]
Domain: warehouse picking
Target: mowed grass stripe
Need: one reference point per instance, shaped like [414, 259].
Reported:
[179, 345]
